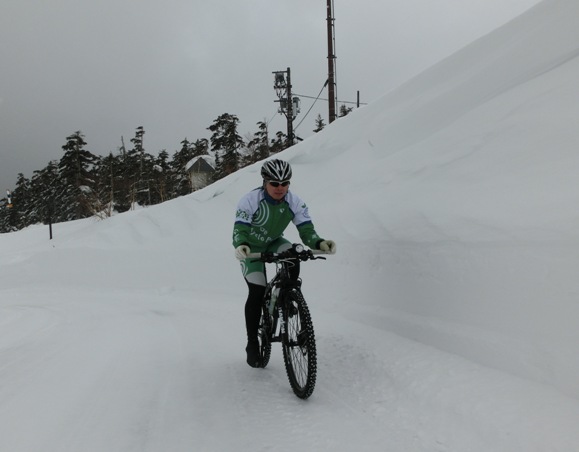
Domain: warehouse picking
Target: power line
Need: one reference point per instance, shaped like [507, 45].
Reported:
[338, 101]
[314, 103]
[274, 115]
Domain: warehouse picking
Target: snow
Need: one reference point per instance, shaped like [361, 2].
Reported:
[447, 321]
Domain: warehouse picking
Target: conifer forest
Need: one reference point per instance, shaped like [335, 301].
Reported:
[83, 184]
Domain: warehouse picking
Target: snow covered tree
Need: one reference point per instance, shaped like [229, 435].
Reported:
[279, 143]
[161, 178]
[22, 204]
[201, 147]
[259, 146]
[6, 218]
[14, 216]
[46, 195]
[226, 143]
[138, 165]
[181, 182]
[105, 184]
[76, 179]
[132, 174]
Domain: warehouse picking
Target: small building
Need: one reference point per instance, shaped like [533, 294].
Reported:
[200, 171]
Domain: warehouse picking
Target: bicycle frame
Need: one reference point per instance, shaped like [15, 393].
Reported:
[288, 320]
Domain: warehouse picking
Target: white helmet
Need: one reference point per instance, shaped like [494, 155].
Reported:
[276, 170]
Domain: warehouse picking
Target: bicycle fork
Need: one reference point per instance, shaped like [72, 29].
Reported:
[278, 326]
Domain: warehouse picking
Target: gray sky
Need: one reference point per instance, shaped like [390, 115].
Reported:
[106, 67]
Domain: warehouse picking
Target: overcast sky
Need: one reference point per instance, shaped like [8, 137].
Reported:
[107, 67]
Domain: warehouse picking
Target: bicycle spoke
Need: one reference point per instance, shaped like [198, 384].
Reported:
[299, 346]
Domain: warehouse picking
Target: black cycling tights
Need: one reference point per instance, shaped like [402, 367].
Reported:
[253, 304]
[253, 309]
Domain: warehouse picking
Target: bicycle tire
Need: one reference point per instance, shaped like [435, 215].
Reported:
[263, 337]
[299, 345]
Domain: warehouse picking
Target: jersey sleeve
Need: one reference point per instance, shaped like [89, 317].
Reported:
[304, 223]
[242, 225]
[309, 236]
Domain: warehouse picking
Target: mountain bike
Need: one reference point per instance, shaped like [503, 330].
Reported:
[285, 318]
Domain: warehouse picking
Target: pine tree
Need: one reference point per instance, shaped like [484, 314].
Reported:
[76, 178]
[161, 178]
[105, 184]
[22, 204]
[47, 196]
[181, 182]
[13, 215]
[200, 147]
[279, 143]
[319, 124]
[5, 218]
[138, 161]
[124, 177]
[226, 143]
[133, 175]
[344, 111]
[259, 148]
[183, 155]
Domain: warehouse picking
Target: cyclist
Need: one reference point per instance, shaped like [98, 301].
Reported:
[262, 216]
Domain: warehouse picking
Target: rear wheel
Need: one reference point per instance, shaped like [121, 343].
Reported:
[263, 336]
[299, 345]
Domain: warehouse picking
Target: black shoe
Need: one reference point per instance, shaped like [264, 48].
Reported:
[252, 350]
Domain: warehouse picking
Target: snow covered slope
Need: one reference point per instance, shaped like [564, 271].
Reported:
[447, 321]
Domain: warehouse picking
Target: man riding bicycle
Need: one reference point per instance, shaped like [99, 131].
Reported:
[262, 216]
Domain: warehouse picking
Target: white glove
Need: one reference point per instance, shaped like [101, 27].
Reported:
[241, 252]
[329, 246]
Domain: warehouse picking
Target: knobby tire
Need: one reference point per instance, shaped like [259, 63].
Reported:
[299, 345]
[264, 335]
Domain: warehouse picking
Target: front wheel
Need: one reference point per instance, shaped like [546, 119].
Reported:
[299, 345]
[264, 336]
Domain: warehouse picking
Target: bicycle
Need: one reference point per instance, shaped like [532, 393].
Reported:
[285, 318]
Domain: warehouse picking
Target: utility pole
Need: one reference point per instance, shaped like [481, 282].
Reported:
[331, 62]
[288, 105]
[289, 114]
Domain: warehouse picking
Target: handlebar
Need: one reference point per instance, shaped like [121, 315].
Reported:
[291, 253]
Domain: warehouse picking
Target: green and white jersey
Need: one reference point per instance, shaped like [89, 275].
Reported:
[259, 220]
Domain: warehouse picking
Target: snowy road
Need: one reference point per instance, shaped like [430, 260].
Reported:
[111, 372]
[123, 371]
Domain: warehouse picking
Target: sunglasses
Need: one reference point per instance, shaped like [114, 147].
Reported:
[276, 184]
